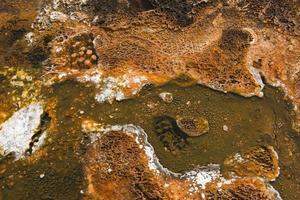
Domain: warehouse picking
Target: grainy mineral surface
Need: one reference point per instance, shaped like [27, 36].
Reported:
[150, 99]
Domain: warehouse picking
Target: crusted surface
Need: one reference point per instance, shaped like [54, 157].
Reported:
[225, 45]
[79, 50]
[260, 161]
[241, 189]
[118, 159]
[193, 126]
[120, 46]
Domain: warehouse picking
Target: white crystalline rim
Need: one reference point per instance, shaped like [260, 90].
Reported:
[202, 175]
[16, 132]
[275, 192]
[198, 177]
[29, 38]
[40, 142]
[95, 77]
[256, 75]
[112, 87]
[54, 11]
[141, 139]
[276, 155]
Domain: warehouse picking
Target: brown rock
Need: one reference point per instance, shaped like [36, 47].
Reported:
[261, 161]
[193, 126]
[87, 63]
[94, 57]
[89, 52]
[81, 59]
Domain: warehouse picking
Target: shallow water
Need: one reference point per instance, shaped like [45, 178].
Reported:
[250, 121]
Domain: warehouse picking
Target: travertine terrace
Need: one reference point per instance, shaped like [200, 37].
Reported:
[150, 99]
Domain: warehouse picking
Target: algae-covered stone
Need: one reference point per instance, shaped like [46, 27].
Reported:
[193, 126]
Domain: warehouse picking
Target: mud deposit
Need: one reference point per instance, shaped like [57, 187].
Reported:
[167, 100]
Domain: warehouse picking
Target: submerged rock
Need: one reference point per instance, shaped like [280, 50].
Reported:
[174, 133]
[261, 161]
[225, 128]
[173, 139]
[242, 189]
[193, 126]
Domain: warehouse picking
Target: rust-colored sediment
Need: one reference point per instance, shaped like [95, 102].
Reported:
[15, 20]
[224, 45]
[116, 167]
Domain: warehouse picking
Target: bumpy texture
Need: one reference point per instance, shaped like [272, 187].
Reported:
[116, 165]
[116, 161]
[79, 50]
[193, 126]
[243, 189]
[261, 161]
[169, 134]
[121, 45]
[226, 45]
